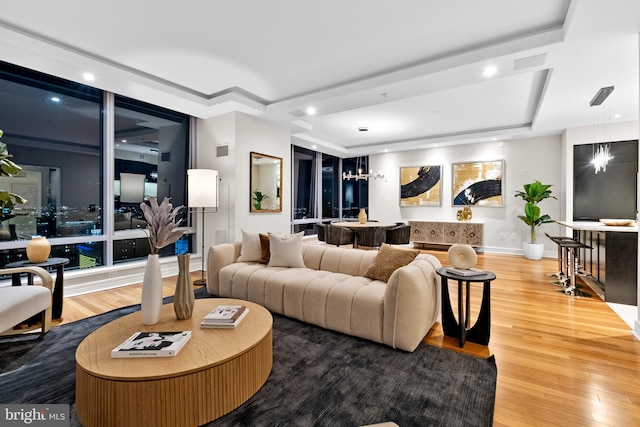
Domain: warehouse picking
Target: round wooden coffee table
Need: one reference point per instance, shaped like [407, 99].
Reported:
[215, 372]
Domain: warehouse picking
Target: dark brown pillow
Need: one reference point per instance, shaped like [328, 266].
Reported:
[264, 246]
[388, 260]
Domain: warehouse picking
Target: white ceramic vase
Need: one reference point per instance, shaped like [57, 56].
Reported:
[533, 251]
[151, 291]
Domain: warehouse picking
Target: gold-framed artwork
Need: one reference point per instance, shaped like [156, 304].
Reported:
[478, 183]
[420, 186]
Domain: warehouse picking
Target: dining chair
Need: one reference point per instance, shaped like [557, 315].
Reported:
[336, 235]
[372, 237]
[321, 231]
[398, 235]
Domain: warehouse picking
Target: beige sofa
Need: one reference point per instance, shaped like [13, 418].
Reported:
[331, 291]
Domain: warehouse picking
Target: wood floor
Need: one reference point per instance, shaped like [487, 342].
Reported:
[561, 361]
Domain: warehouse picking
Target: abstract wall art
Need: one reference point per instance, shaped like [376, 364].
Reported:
[420, 186]
[478, 183]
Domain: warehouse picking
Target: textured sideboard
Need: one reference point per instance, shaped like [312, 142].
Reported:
[447, 232]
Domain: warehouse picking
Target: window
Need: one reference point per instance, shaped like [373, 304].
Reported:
[54, 130]
[355, 194]
[150, 160]
[317, 181]
[304, 191]
[330, 186]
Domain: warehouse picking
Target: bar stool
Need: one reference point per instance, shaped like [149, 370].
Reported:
[571, 248]
[560, 275]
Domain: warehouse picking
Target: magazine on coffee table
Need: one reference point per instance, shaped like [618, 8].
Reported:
[152, 344]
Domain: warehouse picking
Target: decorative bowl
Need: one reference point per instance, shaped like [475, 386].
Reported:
[618, 222]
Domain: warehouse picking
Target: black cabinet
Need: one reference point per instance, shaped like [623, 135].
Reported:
[130, 249]
[612, 262]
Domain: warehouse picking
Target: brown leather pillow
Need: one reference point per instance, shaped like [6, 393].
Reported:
[388, 260]
[264, 245]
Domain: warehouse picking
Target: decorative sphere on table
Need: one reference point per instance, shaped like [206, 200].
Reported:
[462, 256]
[38, 249]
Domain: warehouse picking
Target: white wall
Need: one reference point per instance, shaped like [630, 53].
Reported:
[242, 133]
[526, 160]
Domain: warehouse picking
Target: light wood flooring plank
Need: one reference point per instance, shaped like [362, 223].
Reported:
[561, 361]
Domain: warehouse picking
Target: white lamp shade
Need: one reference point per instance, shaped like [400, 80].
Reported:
[202, 188]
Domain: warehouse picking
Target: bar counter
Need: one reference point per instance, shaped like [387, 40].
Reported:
[612, 260]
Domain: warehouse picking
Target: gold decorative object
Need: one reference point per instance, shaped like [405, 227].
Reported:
[464, 214]
[38, 249]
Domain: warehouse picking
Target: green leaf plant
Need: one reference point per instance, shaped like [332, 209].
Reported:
[8, 168]
[533, 194]
[258, 196]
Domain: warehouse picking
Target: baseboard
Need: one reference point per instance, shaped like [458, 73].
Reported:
[79, 282]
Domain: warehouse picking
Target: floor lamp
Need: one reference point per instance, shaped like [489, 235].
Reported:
[202, 193]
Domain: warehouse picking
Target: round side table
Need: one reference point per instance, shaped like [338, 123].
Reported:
[479, 333]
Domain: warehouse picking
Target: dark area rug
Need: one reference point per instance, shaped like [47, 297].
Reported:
[319, 378]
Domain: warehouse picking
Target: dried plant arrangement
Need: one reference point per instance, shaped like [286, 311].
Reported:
[162, 227]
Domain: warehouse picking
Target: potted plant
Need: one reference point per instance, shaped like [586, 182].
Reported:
[7, 168]
[258, 196]
[533, 194]
[7, 199]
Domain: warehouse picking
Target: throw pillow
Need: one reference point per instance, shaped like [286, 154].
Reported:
[286, 251]
[264, 245]
[388, 260]
[251, 251]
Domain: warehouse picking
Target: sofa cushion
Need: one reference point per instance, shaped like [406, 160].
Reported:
[251, 250]
[388, 260]
[286, 251]
[264, 246]
[18, 303]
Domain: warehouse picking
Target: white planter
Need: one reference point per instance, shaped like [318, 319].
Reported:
[151, 291]
[533, 251]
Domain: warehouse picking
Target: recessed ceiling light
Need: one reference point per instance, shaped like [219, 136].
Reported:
[54, 99]
[314, 146]
[124, 140]
[617, 116]
[89, 77]
[311, 111]
[490, 71]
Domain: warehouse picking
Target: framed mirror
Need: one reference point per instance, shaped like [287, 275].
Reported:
[266, 183]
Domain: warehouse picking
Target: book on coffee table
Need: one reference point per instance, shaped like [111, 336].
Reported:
[152, 344]
[224, 316]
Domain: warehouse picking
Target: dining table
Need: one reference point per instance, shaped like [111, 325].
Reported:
[355, 225]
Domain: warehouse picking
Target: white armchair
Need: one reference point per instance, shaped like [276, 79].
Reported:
[19, 303]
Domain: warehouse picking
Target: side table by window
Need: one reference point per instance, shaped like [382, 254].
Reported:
[460, 328]
[51, 263]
